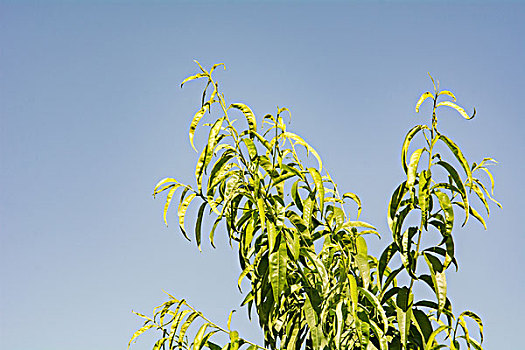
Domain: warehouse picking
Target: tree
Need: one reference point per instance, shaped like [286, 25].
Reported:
[313, 283]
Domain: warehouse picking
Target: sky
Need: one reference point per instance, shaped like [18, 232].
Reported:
[92, 116]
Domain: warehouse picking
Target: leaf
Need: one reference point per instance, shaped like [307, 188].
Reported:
[459, 184]
[197, 343]
[207, 152]
[139, 332]
[196, 76]
[425, 178]
[350, 224]
[302, 142]
[356, 199]
[387, 254]
[186, 325]
[446, 205]
[422, 323]
[198, 225]
[412, 168]
[278, 261]
[159, 343]
[318, 186]
[422, 99]
[316, 332]
[373, 299]
[353, 292]
[408, 138]
[262, 216]
[245, 272]
[445, 92]
[230, 319]
[430, 342]
[438, 278]
[473, 212]
[404, 313]
[183, 207]
[168, 201]
[193, 126]
[460, 110]
[250, 117]
[459, 155]
[477, 319]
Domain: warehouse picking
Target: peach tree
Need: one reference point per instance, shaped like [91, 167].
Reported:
[300, 240]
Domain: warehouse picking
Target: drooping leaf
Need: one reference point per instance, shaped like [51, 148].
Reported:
[422, 99]
[196, 119]
[460, 110]
[183, 207]
[408, 138]
[250, 117]
[302, 142]
[356, 199]
[139, 332]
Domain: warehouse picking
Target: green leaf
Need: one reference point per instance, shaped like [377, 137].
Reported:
[408, 138]
[445, 92]
[318, 186]
[477, 319]
[422, 323]
[459, 185]
[230, 319]
[197, 343]
[198, 225]
[250, 117]
[460, 110]
[278, 261]
[169, 197]
[430, 343]
[139, 332]
[186, 325]
[302, 142]
[437, 273]
[207, 152]
[196, 76]
[422, 99]
[446, 205]
[159, 343]
[373, 299]
[412, 167]
[473, 212]
[459, 155]
[356, 199]
[245, 272]
[183, 207]
[193, 126]
[316, 333]
[262, 216]
[425, 179]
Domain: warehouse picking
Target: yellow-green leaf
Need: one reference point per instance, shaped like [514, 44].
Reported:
[422, 99]
[302, 142]
[356, 199]
[318, 186]
[460, 110]
[183, 206]
[250, 117]
[408, 138]
[193, 126]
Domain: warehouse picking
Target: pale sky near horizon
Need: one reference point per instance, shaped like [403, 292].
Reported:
[92, 116]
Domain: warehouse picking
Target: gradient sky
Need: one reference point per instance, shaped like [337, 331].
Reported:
[92, 116]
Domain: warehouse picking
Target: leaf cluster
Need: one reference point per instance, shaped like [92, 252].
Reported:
[301, 244]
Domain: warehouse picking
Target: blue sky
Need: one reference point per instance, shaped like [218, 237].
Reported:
[92, 116]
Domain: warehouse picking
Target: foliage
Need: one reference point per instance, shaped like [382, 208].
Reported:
[313, 283]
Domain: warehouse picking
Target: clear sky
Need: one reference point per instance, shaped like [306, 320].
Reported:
[92, 116]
